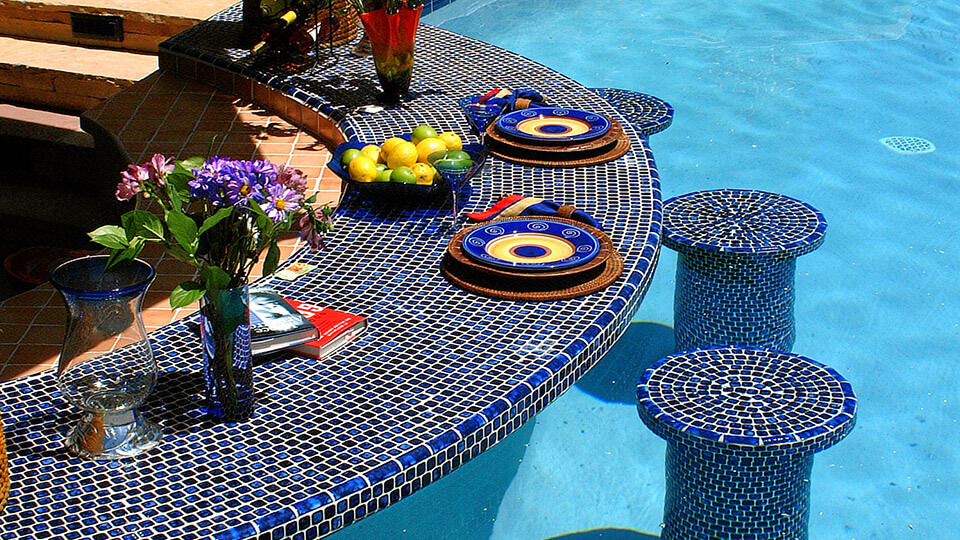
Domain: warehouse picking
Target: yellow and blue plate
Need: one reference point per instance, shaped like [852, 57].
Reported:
[546, 125]
[533, 245]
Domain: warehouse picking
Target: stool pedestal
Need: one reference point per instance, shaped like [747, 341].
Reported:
[742, 426]
[736, 265]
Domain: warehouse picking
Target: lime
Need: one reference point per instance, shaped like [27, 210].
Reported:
[381, 167]
[429, 146]
[457, 154]
[347, 156]
[383, 176]
[424, 172]
[452, 140]
[372, 151]
[422, 132]
[362, 169]
[404, 154]
[403, 175]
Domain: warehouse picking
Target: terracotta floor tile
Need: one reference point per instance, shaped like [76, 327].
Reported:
[51, 315]
[45, 354]
[12, 333]
[15, 371]
[17, 314]
[35, 297]
[43, 334]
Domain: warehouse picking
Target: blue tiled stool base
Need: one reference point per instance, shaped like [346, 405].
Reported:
[742, 426]
[758, 494]
[735, 271]
[723, 299]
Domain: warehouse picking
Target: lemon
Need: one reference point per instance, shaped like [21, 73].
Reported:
[404, 154]
[424, 172]
[452, 140]
[429, 146]
[372, 151]
[362, 169]
[388, 146]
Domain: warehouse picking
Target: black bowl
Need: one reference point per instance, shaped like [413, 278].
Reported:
[395, 191]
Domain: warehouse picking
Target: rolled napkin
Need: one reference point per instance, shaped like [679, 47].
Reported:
[521, 205]
[521, 98]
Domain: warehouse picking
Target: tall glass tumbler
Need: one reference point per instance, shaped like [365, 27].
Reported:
[106, 366]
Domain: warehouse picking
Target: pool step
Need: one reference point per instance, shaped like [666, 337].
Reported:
[72, 54]
[68, 77]
[137, 25]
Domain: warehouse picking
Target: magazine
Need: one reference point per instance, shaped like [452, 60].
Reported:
[335, 328]
[275, 324]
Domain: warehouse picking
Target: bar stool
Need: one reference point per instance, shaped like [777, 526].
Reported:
[736, 265]
[647, 113]
[742, 426]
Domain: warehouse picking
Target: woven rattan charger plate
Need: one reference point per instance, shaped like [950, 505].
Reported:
[608, 147]
[505, 284]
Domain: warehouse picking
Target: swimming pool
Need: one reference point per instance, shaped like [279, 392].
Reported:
[791, 99]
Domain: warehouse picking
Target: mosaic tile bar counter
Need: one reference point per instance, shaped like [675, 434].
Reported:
[736, 265]
[439, 376]
[742, 426]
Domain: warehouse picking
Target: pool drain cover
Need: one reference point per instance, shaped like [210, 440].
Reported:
[908, 145]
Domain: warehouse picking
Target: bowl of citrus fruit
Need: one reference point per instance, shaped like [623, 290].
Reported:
[399, 168]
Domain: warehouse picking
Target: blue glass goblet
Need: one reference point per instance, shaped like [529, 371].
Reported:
[479, 115]
[458, 166]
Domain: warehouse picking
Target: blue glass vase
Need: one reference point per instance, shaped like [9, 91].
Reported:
[227, 359]
[106, 367]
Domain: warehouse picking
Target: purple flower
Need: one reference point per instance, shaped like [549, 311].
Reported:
[242, 187]
[279, 201]
[292, 178]
[159, 166]
[210, 180]
[130, 181]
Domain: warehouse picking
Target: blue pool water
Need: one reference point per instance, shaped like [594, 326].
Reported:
[785, 97]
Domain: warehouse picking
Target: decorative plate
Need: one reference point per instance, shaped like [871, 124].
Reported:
[525, 244]
[553, 125]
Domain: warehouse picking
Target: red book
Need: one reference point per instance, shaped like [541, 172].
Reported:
[336, 328]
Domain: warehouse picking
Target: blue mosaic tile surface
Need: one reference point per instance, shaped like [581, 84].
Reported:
[736, 265]
[439, 376]
[742, 221]
[742, 426]
[647, 113]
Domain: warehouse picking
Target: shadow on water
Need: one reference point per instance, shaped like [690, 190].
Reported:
[462, 505]
[605, 533]
[614, 378]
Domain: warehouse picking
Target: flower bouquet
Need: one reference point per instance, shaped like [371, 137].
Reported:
[391, 26]
[219, 215]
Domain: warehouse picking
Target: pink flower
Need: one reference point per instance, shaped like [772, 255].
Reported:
[158, 168]
[292, 178]
[310, 233]
[130, 182]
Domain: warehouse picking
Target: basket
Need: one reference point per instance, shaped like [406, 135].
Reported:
[345, 25]
[4, 471]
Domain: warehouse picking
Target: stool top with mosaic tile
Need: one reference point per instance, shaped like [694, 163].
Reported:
[747, 397]
[740, 221]
[439, 376]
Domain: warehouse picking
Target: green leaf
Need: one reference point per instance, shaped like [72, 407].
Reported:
[111, 236]
[189, 164]
[131, 252]
[211, 221]
[264, 224]
[272, 260]
[144, 224]
[184, 230]
[311, 199]
[213, 277]
[185, 294]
